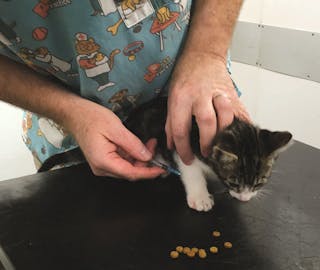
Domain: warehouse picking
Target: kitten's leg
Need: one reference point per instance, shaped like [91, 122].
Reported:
[195, 185]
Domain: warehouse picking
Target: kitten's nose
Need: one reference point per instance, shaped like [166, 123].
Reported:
[244, 197]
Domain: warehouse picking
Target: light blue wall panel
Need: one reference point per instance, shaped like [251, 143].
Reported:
[287, 51]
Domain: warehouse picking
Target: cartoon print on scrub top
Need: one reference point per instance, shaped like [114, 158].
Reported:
[36, 159]
[122, 103]
[27, 55]
[132, 12]
[164, 18]
[95, 64]
[156, 69]
[43, 7]
[103, 8]
[132, 49]
[185, 12]
[53, 133]
[26, 126]
[40, 33]
[42, 54]
[7, 35]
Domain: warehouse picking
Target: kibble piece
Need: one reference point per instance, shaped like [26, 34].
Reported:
[227, 244]
[202, 253]
[174, 254]
[179, 249]
[191, 254]
[213, 249]
[186, 250]
[216, 233]
[194, 249]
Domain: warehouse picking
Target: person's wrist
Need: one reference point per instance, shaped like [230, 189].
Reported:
[214, 48]
[70, 112]
[216, 57]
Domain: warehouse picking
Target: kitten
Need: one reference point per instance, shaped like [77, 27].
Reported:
[242, 155]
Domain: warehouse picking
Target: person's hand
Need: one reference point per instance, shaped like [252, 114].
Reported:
[110, 149]
[200, 86]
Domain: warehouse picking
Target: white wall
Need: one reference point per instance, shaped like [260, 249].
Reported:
[278, 101]
[15, 159]
[281, 102]
[293, 14]
[275, 101]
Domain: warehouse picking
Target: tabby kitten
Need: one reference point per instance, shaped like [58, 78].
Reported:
[242, 155]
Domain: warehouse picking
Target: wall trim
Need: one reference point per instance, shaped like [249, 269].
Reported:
[288, 51]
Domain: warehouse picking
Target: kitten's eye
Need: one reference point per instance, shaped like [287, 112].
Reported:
[259, 185]
[233, 185]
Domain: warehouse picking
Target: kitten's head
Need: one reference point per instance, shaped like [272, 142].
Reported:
[243, 155]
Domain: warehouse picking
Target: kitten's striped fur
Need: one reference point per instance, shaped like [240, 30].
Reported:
[242, 155]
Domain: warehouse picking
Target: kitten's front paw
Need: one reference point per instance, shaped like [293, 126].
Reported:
[201, 202]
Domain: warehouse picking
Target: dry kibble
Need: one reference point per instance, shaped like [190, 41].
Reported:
[194, 249]
[174, 254]
[213, 249]
[191, 254]
[186, 250]
[202, 253]
[216, 233]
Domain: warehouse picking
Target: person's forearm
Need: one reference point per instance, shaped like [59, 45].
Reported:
[26, 89]
[212, 26]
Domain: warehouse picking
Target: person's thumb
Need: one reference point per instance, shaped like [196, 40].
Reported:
[132, 145]
[151, 146]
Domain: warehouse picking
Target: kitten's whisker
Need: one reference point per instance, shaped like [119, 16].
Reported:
[263, 193]
[257, 198]
[266, 191]
[277, 172]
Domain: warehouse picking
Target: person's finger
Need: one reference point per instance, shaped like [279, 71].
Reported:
[207, 123]
[111, 175]
[169, 134]
[180, 128]
[130, 143]
[224, 111]
[242, 113]
[151, 146]
[125, 155]
[124, 169]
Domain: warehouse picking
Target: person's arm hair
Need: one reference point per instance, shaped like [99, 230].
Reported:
[98, 131]
[212, 26]
[200, 85]
[25, 88]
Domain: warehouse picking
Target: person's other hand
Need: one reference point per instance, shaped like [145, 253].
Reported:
[110, 148]
[201, 87]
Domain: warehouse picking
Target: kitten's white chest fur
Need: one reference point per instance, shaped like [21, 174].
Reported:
[193, 178]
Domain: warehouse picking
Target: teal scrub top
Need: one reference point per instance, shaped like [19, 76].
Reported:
[117, 53]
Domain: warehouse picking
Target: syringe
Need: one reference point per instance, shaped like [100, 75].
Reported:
[165, 167]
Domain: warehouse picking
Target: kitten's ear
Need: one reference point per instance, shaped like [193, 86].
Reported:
[274, 142]
[222, 156]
